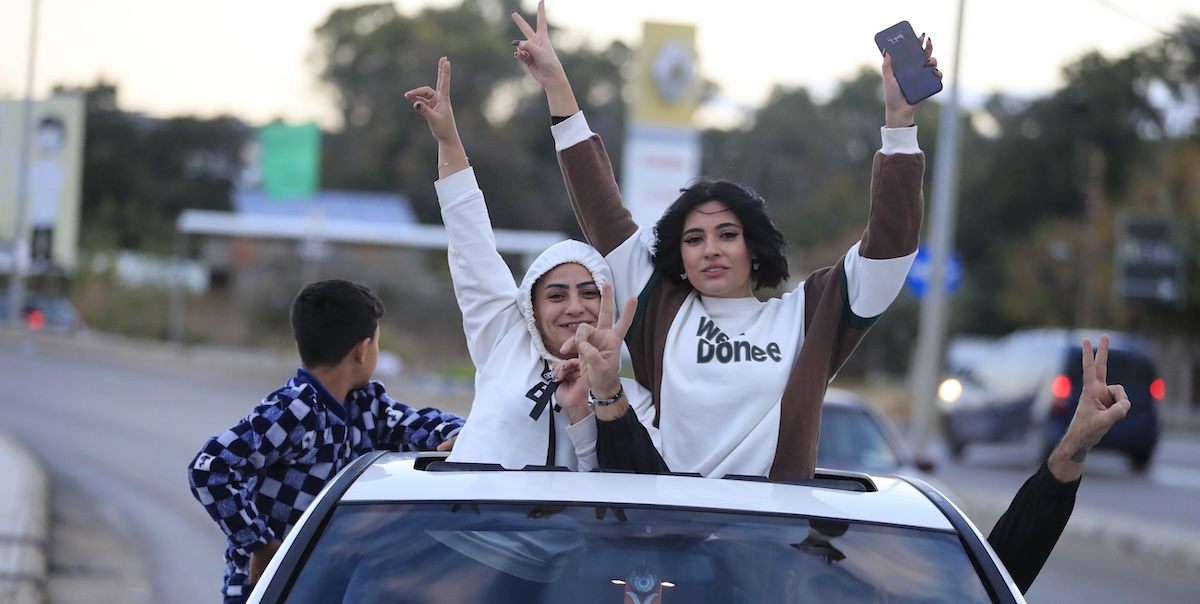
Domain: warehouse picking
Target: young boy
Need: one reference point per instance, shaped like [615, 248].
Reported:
[256, 478]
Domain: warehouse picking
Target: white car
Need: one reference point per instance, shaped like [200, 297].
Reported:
[413, 528]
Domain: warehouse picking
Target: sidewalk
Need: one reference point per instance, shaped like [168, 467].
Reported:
[24, 526]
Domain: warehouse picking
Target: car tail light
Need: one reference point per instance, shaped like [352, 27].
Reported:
[1158, 389]
[37, 320]
[1061, 389]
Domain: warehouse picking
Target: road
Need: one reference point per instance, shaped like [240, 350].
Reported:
[1092, 563]
[115, 427]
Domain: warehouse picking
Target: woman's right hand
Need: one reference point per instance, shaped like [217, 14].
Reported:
[537, 54]
[434, 105]
[599, 346]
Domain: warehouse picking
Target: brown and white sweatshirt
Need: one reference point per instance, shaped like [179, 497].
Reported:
[738, 383]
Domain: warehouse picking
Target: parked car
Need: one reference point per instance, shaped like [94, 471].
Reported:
[1025, 389]
[854, 436]
[411, 527]
[44, 312]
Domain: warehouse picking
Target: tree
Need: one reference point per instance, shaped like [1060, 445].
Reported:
[139, 173]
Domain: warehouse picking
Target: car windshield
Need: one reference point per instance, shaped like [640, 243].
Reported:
[535, 553]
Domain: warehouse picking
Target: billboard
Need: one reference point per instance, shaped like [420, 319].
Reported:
[662, 147]
[50, 190]
[291, 159]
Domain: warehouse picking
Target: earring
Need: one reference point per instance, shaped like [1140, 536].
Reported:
[683, 276]
[754, 265]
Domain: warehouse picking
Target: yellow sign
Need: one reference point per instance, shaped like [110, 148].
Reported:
[667, 93]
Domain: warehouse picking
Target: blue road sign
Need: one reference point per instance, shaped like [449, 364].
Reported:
[919, 275]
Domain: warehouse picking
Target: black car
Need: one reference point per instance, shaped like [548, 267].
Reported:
[1026, 386]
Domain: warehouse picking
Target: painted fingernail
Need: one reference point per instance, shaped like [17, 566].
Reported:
[516, 42]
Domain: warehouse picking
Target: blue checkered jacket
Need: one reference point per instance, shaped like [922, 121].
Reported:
[257, 478]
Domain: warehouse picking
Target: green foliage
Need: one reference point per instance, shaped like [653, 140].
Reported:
[371, 54]
[1025, 190]
[140, 173]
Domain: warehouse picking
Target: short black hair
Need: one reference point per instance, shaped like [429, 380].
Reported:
[329, 317]
[763, 238]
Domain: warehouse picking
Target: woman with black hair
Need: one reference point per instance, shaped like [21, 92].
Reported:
[737, 382]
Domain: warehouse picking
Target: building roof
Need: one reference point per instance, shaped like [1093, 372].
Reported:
[385, 208]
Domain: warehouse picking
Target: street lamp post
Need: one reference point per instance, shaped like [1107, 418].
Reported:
[20, 248]
[934, 315]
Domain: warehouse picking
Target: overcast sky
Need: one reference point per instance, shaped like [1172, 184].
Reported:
[249, 57]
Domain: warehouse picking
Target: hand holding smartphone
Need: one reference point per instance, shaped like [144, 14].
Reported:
[916, 79]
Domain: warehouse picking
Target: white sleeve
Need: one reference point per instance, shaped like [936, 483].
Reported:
[631, 266]
[899, 140]
[583, 436]
[570, 132]
[871, 284]
[483, 284]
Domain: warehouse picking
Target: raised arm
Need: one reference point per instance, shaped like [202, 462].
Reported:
[483, 283]
[1029, 529]
[434, 105]
[537, 54]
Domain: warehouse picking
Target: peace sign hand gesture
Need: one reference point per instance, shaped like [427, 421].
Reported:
[1100, 406]
[537, 54]
[433, 104]
[599, 346]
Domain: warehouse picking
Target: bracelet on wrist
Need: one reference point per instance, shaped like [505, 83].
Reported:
[604, 402]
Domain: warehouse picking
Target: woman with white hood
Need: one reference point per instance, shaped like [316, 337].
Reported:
[530, 408]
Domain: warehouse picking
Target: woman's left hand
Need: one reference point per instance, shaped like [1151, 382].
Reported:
[897, 112]
[434, 104]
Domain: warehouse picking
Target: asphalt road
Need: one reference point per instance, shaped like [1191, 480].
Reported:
[115, 424]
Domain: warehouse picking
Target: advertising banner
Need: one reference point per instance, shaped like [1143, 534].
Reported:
[53, 179]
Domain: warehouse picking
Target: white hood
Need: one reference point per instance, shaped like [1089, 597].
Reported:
[559, 253]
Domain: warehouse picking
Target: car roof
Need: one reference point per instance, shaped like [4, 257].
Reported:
[1072, 338]
[845, 398]
[394, 477]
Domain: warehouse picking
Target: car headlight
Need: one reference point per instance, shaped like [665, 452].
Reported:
[950, 390]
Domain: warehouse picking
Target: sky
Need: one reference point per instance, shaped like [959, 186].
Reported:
[249, 58]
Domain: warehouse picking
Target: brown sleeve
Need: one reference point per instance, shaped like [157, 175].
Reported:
[897, 205]
[605, 221]
[831, 331]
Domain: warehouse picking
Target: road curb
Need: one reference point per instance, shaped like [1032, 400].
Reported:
[24, 526]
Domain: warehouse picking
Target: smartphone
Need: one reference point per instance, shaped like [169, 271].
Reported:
[917, 80]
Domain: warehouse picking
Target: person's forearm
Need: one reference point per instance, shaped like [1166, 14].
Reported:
[452, 157]
[900, 118]
[561, 98]
[577, 414]
[608, 413]
[1066, 460]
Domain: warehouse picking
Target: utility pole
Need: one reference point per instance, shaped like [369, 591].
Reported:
[20, 248]
[934, 316]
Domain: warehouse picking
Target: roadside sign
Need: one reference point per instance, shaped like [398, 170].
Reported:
[1148, 264]
[922, 268]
